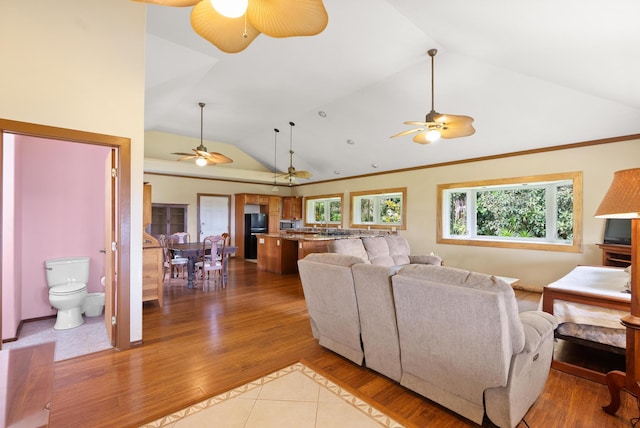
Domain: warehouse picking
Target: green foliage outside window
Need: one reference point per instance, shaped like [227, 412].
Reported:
[390, 210]
[512, 213]
[335, 211]
[516, 213]
[366, 210]
[565, 212]
[318, 209]
[458, 213]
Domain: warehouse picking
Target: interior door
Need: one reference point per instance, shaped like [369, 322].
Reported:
[110, 276]
[214, 215]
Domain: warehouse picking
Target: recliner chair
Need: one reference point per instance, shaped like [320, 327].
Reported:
[464, 345]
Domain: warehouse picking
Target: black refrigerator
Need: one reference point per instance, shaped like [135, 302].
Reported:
[253, 224]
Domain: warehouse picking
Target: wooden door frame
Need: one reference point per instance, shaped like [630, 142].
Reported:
[123, 209]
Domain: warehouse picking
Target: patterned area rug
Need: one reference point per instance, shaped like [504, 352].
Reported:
[295, 396]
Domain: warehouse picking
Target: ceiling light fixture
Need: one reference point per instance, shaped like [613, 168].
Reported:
[438, 125]
[230, 8]
[232, 31]
[322, 114]
[200, 161]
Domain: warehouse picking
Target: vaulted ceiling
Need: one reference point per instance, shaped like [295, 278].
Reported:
[531, 74]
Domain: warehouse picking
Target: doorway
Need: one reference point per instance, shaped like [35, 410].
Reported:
[214, 215]
[117, 286]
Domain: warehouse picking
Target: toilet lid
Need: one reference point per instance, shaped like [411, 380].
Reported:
[69, 288]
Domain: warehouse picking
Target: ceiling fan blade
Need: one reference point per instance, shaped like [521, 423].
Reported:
[288, 18]
[187, 158]
[182, 154]
[410, 131]
[421, 138]
[227, 34]
[411, 122]
[452, 132]
[217, 158]
[302, 174]
[454, 121]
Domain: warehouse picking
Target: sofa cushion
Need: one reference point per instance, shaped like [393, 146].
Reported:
[398, 249]
[351, 247]
[378, 251]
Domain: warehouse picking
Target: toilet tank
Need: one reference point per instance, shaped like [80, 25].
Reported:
[65, 270]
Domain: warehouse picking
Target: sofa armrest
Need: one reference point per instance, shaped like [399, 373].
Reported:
[537, 326]
[425, 260]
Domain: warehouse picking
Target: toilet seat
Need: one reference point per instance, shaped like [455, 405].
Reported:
[66, 289]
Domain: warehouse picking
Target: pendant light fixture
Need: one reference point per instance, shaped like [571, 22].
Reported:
[275, 187]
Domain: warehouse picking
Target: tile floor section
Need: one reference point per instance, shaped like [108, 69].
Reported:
[295, 396]
[88, 338]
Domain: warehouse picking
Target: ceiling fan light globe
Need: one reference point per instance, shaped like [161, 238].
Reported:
[433, 135]
[230, 8]
[201, 162]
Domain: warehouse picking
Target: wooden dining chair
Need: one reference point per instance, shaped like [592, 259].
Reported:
[171, 261]
[210, 245]
[180, 238]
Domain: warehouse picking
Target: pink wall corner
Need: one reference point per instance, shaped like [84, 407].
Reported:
[61, 198]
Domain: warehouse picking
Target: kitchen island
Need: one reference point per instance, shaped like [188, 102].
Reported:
[280, 252]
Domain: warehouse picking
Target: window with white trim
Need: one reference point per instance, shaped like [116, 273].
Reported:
[325, 209]
[541, 212]
[379, 208]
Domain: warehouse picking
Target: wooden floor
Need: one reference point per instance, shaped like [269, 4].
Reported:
[204, 342]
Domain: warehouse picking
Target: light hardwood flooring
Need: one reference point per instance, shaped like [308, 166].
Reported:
[204, 342]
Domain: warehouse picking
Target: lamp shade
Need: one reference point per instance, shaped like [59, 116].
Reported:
[623, 197]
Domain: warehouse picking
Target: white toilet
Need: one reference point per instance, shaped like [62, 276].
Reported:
[67, 280]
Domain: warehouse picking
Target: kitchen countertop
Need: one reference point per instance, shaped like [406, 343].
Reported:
[313, 236]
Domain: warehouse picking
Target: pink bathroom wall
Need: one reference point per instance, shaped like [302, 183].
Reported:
[61, 200]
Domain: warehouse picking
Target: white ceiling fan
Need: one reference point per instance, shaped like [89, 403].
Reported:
[202, 156]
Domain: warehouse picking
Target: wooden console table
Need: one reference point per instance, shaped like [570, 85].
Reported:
[27, 380]
[615, 255]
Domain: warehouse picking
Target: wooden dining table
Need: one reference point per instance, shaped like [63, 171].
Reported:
[193, 251]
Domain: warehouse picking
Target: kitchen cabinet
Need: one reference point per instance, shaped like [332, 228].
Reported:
[275, 211]
[277, 255]
[167, 219]
[291, 208]
[250, 199]
[270, 205]
[308, 247]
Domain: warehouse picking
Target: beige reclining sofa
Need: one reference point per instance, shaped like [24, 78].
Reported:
[451, 335]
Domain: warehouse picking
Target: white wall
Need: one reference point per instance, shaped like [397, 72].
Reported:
[534, 268]
[79, 64]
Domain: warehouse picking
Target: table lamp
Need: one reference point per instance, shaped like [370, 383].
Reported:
[623, 201]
